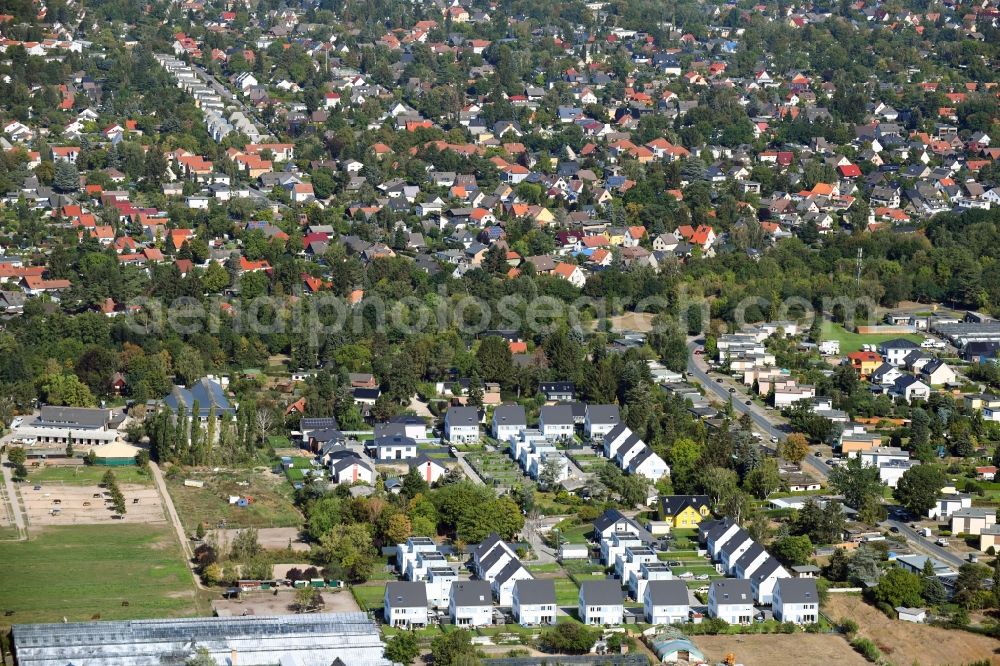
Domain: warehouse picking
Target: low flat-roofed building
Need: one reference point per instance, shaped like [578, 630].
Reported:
[311, 639]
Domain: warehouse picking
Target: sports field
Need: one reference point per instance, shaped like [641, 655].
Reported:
[87, 571]
[851, 342]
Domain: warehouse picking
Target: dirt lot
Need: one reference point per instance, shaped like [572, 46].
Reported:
[88, 505]
[908, 643]
[269, 603]
[771, 649]
[271, 538]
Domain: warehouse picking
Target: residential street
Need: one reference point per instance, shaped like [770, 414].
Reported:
[769, 423]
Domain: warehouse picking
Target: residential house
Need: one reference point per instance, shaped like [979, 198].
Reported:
[461, 425]
[600, 420]
[471, 603]
[508, 421]
[972, 520]
[534, 602]
[684, 511]
[556, 421]
[731, 600]
[796, 600]
[601, 602]
[666, 602]
[405, 604]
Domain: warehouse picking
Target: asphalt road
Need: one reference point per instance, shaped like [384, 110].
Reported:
[764, 421]
[924, 544]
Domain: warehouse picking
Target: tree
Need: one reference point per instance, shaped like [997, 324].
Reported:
[307, 598]
[794, 448]
[792, 550]
[899, 587]
[17, 455]
[863, 567]
[969, 583]
[764, 479]
[934, 592]
[202, 657]
[349, 550]
[918, 488]
[858, 483]
[453, 648]
[402, 648]
[69, 446]
[570, 638]
[495, 360]
[245, 545]
[66, 178]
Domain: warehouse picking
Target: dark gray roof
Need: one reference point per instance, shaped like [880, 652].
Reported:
[671, 505]
[798, 590]
[765, 570]
[735, 541]
[667, 592]
[459, 416]
[487, 545]
[471, 593]
[406, 594]
[486, 562]
[72, 417]
[508, 571]
[751, 554]
[732, 591]
[536, 591]
[510, 415]
[603, 414]
[602, 593]
[556, 415]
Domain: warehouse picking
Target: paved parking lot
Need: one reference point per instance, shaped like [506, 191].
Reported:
[87, 505]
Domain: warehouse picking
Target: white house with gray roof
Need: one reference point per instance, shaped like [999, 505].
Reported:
[666, 602]
[405, 604]
[508, 421]
[763, 580]
[556, 421]
[601, 602]
[599, 420]
[471, 603]
[534, 602]
[732, 600]
[796, 600]
[461, 425]
[503, 583]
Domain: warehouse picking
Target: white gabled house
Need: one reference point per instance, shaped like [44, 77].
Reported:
[731, 599]
[796, 600]
[666, 602]
[471, 603]
[405, 604]
[601, 602]
[534, 602]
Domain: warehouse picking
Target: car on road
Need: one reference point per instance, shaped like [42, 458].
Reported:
[699, 351]
[748, 403]
[732, 390]
[894, 529]
[818, 454]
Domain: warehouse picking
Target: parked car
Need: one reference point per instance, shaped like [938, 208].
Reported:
[942, 542]
[748, 402]
[701, 577]
[16, 423]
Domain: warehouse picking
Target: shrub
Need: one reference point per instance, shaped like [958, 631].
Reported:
[867, 649]
[848, 626]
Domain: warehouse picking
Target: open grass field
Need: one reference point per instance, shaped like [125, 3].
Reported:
[567, 593]
[85, 475]
[272, 504]
[771, 649]
[369, 597]
[85, 571]
[851, 342]
[495, 466]
[909, 643]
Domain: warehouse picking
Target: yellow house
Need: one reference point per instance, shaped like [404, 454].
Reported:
[684, 511]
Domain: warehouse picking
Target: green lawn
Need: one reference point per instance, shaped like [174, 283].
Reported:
[272, 505]
[851, 342]
[85, 475]
[369, 597]
[88, 571]
[567, 593]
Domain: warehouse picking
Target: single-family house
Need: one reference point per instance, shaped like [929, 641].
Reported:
[601, 602]
[405, 604]
[534, 602]
[796, 600]
[666, 602]
[731, 599]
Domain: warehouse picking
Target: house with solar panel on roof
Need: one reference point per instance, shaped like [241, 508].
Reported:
[207, 393]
